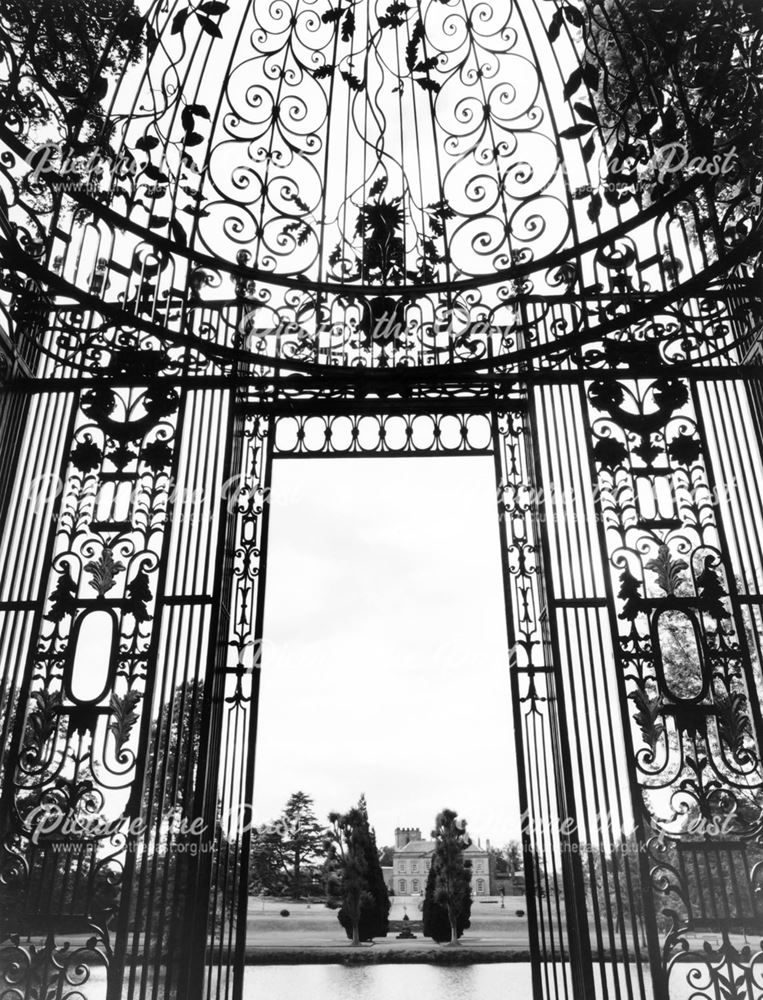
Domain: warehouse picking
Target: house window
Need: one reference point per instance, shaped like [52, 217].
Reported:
[414, 866]
[415, 885]
[402, 865]
[403, 886]
[480, 885]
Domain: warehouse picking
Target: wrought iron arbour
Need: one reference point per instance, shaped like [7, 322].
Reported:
[235, 233]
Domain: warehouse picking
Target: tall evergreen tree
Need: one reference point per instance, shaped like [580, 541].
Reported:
[301, 838]
[374, 913]
[285, 853]
[436, 924]
[266, 873]
[347, 866]
[448, 901]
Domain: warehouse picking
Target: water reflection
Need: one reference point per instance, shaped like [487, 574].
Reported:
[388, 982]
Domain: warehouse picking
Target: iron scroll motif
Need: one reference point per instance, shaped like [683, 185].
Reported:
[690, 683]
[29, 970]
[69, 797]
[396, 266]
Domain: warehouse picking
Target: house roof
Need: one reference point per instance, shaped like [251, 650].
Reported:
[417, 847]
[475, 849]
[427, 846]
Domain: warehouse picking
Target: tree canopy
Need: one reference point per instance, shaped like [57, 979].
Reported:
[680, 72]
[374, 914]
[447, 901]
[386, 855]
[62, 53]
[674, 89]
[286, 852]
[354, 875]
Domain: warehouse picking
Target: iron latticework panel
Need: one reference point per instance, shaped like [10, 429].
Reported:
[239, 233]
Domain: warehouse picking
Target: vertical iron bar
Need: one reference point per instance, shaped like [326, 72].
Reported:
[251, 748]
[527, 854]
[192, 975]
[577, 916]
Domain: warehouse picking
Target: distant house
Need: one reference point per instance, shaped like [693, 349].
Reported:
[412, 860]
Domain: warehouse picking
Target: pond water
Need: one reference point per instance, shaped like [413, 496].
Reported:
[500, 981]
[388, 982]
[509, 981]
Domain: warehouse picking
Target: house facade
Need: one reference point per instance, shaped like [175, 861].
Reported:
[413, 857]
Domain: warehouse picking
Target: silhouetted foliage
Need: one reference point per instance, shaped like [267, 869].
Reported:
[436, 924]
[374, 914]
[285, 853]
[447, 902]
[64, 51]
[679, 73]
[354, 875]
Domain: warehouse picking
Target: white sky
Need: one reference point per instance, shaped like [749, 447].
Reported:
[384, 658]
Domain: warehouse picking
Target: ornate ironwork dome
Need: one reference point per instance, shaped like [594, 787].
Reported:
[380, 185]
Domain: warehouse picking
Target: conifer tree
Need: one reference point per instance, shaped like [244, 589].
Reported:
[374, 914]
[347, 867]
[448, 901]
[302, 838]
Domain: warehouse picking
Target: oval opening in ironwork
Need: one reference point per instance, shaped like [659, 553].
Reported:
[680, 653]
[92, 657]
